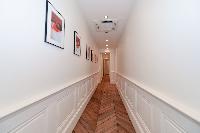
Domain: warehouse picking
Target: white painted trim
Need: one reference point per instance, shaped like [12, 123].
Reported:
[62, 110]
[132, 116]
[174, 104]
[28, 102]
[149, 113]
[70, 126]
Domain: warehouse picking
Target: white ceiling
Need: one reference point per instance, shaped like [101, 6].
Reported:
[114, 9]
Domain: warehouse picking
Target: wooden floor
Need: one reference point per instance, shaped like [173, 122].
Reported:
[105, 113]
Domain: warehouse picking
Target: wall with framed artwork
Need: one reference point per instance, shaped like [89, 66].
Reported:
[38, 56]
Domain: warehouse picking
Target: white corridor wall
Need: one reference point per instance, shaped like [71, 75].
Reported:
[32, 70]
[159, 51]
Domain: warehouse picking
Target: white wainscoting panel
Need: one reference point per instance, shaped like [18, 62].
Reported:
[37, 123]
[56, 113]
[65, 108]
[150, 114]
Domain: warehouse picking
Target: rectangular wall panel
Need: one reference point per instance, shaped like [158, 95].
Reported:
[144, 111]
[131, 95]
[37, 123]
[65, 106]
[170, 126]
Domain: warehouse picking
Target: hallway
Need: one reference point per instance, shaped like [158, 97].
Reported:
[55, 55]
[105, 113]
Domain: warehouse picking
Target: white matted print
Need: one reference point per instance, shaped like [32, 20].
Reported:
[77, 44]
[55, 27]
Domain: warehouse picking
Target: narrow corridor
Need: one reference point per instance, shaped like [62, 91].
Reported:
[105, 112]
[100, 66]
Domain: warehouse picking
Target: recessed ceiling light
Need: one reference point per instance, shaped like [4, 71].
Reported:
[106, 48]
[107, 45]
[105, 53]
[106, 40]
[106, 17]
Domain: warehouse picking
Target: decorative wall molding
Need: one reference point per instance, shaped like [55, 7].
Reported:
[56, 113]
[150, 114]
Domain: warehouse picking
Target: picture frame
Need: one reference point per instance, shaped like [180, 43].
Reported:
[77, 44]
[91, 55]
[54, 27]
[95, 58]
[87, 52]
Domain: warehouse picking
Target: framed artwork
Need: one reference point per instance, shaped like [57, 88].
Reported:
[77, 44]
[54, 26]
[95, 58]
[91, 56]
[87, 52]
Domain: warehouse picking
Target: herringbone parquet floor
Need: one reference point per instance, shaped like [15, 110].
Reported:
[105, 113]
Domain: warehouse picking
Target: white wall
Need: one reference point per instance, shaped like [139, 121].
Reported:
[31, 68]
[160, 50]
[112, 65]
[112, 60]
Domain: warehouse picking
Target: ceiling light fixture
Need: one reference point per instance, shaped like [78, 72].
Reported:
[105, 53]
[107, 45]
[106, 40]
[106, 48]
[106, 17]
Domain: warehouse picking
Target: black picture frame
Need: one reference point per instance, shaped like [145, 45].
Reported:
[87, 52]
[77, 44]
[54, 26]
[91, 56]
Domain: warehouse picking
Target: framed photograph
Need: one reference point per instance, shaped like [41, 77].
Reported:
[91, 55]
[95, 57]
[54, 27]
[77, 44]
[87, 52]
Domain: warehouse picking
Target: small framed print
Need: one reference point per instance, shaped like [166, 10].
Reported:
[95, 58]
[91, 55]
[77, 44]
[87, 52]
[54, 26]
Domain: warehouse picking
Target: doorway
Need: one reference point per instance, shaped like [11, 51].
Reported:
[106, 64]
[106, 67]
